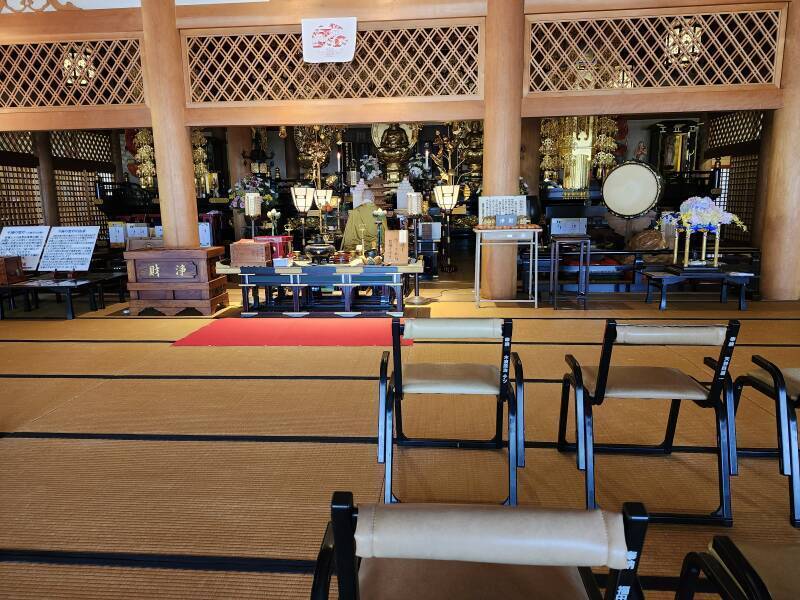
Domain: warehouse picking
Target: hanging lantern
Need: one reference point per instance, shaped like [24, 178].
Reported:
[684, 42]
[78, 68]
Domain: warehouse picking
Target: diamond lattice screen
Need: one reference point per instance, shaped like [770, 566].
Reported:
[735, 128]
[723, 48]
[82, 145]
[102, 72]
[426, 61]
[75, 191]
[20, 201]
[20, 142]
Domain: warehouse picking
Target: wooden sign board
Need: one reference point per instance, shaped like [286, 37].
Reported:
[25, 242]
[69, 248]
[396, 250]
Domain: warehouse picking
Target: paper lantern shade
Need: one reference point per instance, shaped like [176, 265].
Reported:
[252, 204]
[322, 197]
[446, 196]
[302, 197]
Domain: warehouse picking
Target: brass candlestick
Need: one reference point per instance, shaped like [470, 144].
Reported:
[716, 246]
[686, 249]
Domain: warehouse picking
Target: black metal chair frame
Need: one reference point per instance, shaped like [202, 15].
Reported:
[720, 398]
[730, 575]
[390, 414]
[785, 407]
[337, 555]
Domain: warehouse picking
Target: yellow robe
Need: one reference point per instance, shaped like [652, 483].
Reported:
[357, 217]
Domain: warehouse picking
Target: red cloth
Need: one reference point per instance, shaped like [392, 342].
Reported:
[293, 331]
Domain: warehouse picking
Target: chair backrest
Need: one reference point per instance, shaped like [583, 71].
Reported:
[496, 534]
[452, 329]
[672, 335]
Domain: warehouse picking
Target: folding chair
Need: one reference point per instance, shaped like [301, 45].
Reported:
[593, 384]
[470, 552]
[742, 571]
[451, 378]
[783, 386]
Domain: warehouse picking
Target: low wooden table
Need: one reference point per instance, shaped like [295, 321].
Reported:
[90, 282]
[301, 278]
[664, 279]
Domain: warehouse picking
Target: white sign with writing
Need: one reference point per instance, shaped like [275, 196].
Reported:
[69, 248]
[137, 230]
[26, 242]
[491, 206]
[329, 40]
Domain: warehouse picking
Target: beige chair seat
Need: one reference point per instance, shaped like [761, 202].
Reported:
[646, 382]
[396, 579]
[790, 376]
[776, 565]
[450, 378]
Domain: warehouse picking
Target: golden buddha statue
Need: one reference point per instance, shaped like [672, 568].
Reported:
[394, 151]
[472, 152]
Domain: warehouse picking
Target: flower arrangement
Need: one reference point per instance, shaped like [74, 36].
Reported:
[251, 183]
[370, 168]
[416, 166]
[702, 214]
[273, 216]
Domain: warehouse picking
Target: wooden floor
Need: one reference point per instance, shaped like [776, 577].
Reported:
[130, 468]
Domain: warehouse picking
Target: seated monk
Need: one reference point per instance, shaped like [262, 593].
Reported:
[358, 217]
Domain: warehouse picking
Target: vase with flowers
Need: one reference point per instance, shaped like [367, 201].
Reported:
[703, 216]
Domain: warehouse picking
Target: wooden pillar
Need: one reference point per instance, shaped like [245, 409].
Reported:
[529, 159]
[780, 261]
[163, 70]
[502, 130]
[116, 154]
[291, 155]
[239, 140]
[47, 177]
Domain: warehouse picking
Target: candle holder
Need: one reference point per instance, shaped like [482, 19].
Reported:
[379, 215]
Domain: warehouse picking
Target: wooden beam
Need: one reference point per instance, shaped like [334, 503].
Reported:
[69, 25]
[342, 112]
[284, 13]
[82, 117]
[47, 179]
[635, 102]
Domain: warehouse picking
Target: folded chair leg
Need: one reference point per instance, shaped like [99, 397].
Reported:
[498, 433]
[782, 410]
[672, 423]
[512, 456]
[398, 409]
[725, 511]
[730, 413]
[794, 477]
[591, 495]
[388, 497]
[562, 418]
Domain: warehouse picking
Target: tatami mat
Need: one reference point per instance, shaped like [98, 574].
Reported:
[155, 489]
[26, 581]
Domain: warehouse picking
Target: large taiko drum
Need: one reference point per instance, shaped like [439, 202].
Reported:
[632, 189]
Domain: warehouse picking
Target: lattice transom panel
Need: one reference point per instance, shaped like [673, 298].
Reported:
[20, 200]
[257, 67]
[722, 48]
[78, 73]
[75, 191]
[739, 195]
[83, 145]
[735, 128]
[20, 142]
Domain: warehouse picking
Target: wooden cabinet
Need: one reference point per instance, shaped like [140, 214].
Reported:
[11, 270]
[170, 280]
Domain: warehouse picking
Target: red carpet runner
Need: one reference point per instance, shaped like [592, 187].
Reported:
[292, 332]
